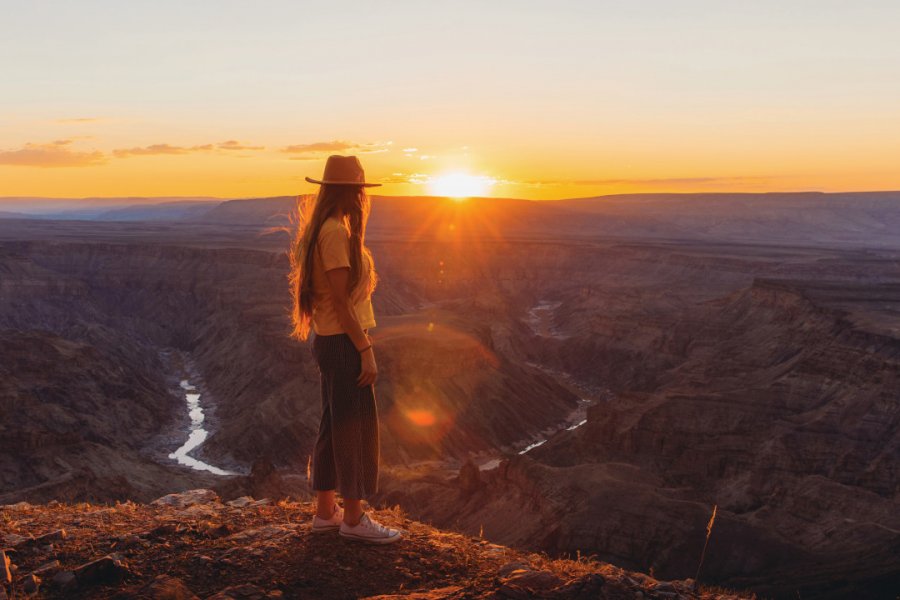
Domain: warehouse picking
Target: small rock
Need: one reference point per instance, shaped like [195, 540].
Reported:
[163, 530]
[164, 587]
[513, 592]
[46, 568]
[129, 541]
[103, 570]
[5, 573]
[14, 539]
[240, 502]
[47, 538]
[31, 584]
[240, 592]
[510, 567]
[533, 580]
[214, 530]
[182, 500]
[444, 593]
[258, 534]
[64, 580]
[586, 587]
[664, 586]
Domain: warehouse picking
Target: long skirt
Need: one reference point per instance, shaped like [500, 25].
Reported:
[347, 449]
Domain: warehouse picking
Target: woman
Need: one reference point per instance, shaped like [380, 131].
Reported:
[332, 279]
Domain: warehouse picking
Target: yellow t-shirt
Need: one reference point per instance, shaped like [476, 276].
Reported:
[333, 251]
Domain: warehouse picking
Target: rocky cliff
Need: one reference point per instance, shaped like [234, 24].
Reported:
[193, 545]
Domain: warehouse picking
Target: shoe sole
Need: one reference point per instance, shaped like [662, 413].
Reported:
[325, 529]
[371, 540]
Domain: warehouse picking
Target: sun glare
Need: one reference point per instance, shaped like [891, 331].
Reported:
[460, 185]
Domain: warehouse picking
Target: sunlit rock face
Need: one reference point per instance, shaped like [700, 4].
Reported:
[760, 380]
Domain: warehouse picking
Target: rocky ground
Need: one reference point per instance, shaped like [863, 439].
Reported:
[192, 545]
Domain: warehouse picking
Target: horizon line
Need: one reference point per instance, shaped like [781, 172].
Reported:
[177, 198]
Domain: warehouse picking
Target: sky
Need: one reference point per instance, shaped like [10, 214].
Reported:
[518, 98]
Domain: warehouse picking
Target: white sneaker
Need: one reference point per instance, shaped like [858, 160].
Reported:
[319, 525]
[370, 531]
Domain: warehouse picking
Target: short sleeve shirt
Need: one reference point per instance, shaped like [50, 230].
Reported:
[333, 252]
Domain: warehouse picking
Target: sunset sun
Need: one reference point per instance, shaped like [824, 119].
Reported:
[460, 185]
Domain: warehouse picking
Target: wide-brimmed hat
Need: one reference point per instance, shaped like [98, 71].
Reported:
[343, 170]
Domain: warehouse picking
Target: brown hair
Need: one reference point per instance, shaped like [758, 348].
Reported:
[312, 210]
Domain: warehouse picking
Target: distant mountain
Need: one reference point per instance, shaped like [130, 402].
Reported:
[12, 215]
[165, 211]
[97, 208]
[869, 219]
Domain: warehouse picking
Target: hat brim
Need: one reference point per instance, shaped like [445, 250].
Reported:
[319, 181]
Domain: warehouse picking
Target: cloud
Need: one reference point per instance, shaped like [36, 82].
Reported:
[156, 149]
[236, 145]
[668, 181]
[317, 150]
[652, 181]
[53, 154]
[416, 178]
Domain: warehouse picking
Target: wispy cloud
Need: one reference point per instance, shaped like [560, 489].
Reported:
[317, 150]
[668, 181]
[156, 149]
[416, 178]
[651, 181]
[236, 145]
[49, 155]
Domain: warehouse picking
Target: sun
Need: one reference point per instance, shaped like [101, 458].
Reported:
[459, 185]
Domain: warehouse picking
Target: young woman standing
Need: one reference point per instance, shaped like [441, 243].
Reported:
[332, 278]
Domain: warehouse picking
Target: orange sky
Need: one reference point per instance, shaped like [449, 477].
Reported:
[542, 100]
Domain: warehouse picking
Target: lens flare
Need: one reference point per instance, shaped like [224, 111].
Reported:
[421, 417]
[460, 185]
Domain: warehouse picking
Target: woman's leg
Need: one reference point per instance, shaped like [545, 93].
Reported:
[352, 510]
[325, 503]
[354, 425]
[324, 477]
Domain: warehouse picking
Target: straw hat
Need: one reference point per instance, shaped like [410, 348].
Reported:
[343, 170]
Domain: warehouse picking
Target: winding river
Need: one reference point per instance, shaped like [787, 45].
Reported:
[197, 434]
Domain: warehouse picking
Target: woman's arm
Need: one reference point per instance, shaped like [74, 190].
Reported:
[338, 281]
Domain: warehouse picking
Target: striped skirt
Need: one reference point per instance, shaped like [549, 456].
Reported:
[347, 449]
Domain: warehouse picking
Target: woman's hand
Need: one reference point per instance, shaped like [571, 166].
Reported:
[369, 371]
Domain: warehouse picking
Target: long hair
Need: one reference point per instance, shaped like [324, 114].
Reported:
[312, 210]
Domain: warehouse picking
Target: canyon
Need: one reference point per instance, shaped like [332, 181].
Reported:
[655, 356]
